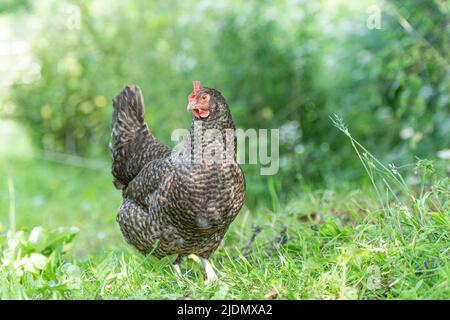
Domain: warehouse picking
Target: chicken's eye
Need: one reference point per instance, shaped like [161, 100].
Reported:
[204, 97]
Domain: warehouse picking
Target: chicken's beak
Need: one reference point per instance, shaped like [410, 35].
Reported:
[191, 105]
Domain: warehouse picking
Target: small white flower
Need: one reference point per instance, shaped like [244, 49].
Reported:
[444, 154]
[37, 235]
[285, 161]
[299, 148]
[290, 132]
[406, 133]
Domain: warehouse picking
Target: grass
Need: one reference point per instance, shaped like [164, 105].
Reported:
[391, 242]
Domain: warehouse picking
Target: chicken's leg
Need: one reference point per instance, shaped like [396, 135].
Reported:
[210, 274]
[176, 267]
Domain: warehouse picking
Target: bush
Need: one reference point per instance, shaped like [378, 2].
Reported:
[292, 73]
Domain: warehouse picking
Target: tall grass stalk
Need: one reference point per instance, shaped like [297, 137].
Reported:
[394, 185]
[372, 165]
[12, 204]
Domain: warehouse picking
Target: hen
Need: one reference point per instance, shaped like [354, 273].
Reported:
[176, 201]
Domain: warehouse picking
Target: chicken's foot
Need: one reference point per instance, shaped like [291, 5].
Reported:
[210, 274]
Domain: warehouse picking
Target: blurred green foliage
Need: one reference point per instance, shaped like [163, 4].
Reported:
[280, 64]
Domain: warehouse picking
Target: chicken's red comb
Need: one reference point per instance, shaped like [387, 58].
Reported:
[197, 86]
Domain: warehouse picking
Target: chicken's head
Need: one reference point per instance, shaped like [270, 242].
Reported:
[200, 101]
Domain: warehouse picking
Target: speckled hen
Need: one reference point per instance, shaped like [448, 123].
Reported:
[176, 201]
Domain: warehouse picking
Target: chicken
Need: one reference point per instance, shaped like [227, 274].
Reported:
[177, 201]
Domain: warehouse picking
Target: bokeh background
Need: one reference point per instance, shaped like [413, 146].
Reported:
[287, 64]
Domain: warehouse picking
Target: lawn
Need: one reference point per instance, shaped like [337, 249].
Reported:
[320, 244]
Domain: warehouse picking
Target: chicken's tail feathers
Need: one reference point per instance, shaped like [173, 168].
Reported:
[132, 144]
[127, 124]
[128, 116]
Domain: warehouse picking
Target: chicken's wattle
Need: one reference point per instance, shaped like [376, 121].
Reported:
[200, 113]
